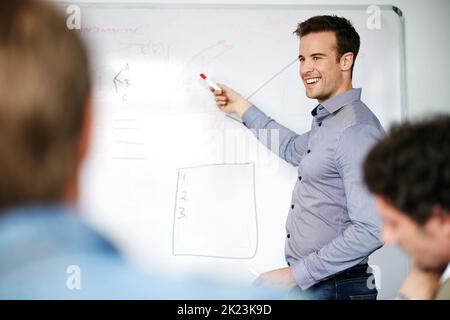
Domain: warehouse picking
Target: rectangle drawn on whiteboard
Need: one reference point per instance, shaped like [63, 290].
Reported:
[215, 212]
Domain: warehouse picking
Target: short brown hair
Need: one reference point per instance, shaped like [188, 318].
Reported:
[346, 36]
[44, 87]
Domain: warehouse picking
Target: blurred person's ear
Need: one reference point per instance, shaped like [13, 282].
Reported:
[82, 148]
[84, 140]
[442, 218]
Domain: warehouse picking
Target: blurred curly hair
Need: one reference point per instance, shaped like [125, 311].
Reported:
[410, 167]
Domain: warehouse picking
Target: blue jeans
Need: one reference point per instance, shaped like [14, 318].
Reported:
[356, 283]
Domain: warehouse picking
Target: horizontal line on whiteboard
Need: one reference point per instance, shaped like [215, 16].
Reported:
[127, 142]
[128, 158]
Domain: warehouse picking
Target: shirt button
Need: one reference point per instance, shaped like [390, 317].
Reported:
[308, 151]
[292, 206]
[288, 235]
[300, 178]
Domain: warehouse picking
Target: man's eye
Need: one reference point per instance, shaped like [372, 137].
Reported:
[316, 58]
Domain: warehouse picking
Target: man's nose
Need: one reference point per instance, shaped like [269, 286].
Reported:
[305, 68]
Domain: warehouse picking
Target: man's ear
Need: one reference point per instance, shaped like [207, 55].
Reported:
[444, 218]
[346, 61]
[70, 194]
[383, 201]
[84, 138]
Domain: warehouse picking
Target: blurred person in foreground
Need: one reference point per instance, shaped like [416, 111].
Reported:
[409, 173]
[46, 252]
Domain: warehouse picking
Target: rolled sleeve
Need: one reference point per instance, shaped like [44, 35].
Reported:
[301, 275]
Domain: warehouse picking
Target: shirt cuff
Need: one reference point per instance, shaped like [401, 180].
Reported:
[251, 115]
[301, 275]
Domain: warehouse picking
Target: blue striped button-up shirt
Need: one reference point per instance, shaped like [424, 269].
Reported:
[332, 224]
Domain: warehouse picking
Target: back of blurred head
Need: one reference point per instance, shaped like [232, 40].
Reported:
[44, 134]
[44, 92]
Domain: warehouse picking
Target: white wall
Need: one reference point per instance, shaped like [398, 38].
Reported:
[427, 25]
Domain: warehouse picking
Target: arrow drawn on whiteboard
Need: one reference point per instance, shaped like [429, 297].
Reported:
[271, 78]
[210, 54]
[122, 80]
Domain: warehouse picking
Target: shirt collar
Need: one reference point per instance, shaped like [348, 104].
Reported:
[334, 104]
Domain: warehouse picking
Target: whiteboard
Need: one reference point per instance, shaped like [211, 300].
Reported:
[180, 187]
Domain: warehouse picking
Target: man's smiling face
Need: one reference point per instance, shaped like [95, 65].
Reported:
[320, 69]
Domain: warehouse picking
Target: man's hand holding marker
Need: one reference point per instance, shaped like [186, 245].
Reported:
[228, 100]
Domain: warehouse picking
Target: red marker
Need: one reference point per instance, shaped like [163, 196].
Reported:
[212, 84]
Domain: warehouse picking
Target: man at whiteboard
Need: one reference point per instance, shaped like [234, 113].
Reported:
[332, 226]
